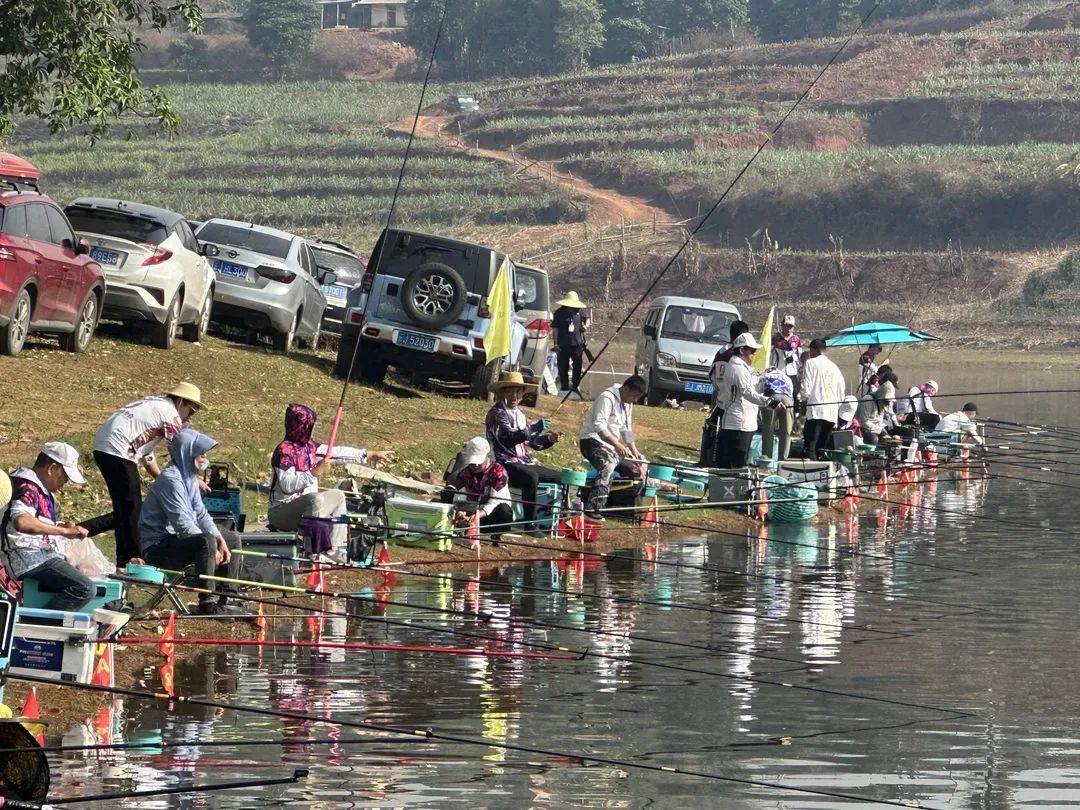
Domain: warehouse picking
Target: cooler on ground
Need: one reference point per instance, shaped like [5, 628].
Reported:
[420, 524]
[822, 474]
[269, 570]
[54, 644]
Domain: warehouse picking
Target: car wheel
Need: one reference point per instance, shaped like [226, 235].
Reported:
[283, 341]
[654, 396]
[163, 335]
[313, 341]
[13, 337]
[372, 370]
[433, 295]
[343, 363]
[85, 326]
[485, 375]
[195, 332]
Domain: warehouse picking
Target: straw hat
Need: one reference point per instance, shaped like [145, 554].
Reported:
[5, 489]
[189, 392]
[571, 301]
[509, 379]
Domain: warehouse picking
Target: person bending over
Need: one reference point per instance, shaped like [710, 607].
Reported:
[176, 531]
[607, 440]
[486, 485]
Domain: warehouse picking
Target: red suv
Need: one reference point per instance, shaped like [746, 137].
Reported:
[48, 283]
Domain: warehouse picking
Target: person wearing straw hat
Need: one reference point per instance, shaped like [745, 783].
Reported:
[569, 322]
[31, 535]
[511, 438]
[125, 442]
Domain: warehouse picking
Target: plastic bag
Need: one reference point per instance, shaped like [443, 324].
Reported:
[87, 557]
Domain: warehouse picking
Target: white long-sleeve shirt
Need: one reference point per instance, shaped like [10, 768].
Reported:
[823, 389]
[959, 423]
[740, 383]
[608, 416]
[918, 400]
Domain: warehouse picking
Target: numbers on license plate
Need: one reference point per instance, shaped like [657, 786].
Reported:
[334, 291]
[413, 341]
[699, 388]
[104, 256]
[231, 270]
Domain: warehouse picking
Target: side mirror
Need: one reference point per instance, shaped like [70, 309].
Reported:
[327, 277]
[207, 249]
[649, 330]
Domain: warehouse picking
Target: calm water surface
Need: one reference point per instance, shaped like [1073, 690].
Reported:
[966, 607]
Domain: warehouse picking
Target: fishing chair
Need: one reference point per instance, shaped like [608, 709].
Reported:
[166, 590]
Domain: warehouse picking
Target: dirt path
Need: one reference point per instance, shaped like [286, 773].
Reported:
[606, 207]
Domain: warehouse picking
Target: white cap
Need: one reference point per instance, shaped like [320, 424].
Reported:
[848, 408]
[67, 457]
[747, 340]
[933, 384]
[476, 450]
[789, 320]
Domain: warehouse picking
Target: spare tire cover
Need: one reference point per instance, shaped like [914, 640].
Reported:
[433, 295]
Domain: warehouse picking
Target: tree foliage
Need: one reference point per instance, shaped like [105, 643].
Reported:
[73, 62]
[283, 30]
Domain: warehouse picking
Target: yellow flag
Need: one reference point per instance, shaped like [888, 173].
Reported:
[761, 356]
[501, 307]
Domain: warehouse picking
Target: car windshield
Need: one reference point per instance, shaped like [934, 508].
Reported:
[117, 224]
[267, 244]
[532, 290]
[349, 269]
[692, 323]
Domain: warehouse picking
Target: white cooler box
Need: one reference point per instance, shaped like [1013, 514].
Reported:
[822, 474]
[54, 644]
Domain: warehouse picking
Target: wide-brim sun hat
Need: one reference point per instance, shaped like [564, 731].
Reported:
[572, 300]
[510, 379]
[189, 393]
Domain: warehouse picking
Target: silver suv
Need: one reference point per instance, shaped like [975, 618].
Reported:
[267, 281]
[347, 267]
[422, 307]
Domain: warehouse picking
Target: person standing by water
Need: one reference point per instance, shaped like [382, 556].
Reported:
[714, 423]
[822, 390]
[786, 349]
[570, 321]
[869, 370]
[743, 401]
[125, 442]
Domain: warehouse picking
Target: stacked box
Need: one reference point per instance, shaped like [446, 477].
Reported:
[106, 590]
[54, 644]
[420, 524]
[548, 505]
[270, 571]
[734, 488]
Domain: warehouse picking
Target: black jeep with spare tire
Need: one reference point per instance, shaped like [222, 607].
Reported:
[422, 307]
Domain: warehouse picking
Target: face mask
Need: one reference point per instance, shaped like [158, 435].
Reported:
[202, 464]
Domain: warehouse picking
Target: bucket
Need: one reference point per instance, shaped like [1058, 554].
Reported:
[572, 478]
[149, 573]
[648, 493]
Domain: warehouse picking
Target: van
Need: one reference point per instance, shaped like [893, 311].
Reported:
[422, 307]
[678, 341]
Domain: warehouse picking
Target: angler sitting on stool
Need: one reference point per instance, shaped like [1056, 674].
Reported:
[176, 531]
[486, 485]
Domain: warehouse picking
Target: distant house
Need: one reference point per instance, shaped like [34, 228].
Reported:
[363, 13]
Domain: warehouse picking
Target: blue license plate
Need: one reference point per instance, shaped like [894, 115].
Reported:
[334, 291]
[698, 388]
[229, 269]
[102, 256]
[411, 340]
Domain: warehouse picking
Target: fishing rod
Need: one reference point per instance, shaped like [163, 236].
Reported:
[432, 735]
[161, 745]
[731, 186]
[348, 645]
[213, 787]
[390, 218]
[629, 660]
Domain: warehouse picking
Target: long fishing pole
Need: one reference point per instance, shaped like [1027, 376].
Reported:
[390, 217]
[161, 745]
[433, 735]
[213, 787]
[731, 186]
[348, 645]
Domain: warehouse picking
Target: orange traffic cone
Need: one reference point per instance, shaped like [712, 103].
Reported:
[30, 708]
[168, 649]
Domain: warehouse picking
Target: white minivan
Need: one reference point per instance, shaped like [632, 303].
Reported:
[678, 341]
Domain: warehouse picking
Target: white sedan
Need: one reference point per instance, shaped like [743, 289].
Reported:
[155, 270]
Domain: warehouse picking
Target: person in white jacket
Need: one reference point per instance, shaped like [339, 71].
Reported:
[823, 391]
[743, 401]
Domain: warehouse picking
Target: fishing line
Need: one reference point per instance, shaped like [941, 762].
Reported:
[436, 736]
[753, 158]
[154, 747]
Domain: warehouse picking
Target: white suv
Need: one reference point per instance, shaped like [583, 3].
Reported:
[155, 272]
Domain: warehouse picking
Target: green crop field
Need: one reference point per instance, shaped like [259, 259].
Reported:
[1006, 80]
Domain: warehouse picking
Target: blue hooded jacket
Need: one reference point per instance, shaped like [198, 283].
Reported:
[174, 506]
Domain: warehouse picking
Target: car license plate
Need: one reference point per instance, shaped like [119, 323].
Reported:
[334, 291]
[698, 388]
[229, 269]
[411, 340]
[102, 256]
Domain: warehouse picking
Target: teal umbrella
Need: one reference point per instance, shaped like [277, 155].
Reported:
[867, 334]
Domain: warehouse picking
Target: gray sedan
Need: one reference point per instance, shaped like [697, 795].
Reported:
[267, 281]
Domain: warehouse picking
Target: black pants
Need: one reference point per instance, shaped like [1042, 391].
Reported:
[499, 521]
[927, 421]
[125, 489]
[733, 448]
[526, 477]
[200, 550]
[816, 435]
[710, 434]
[568, 355]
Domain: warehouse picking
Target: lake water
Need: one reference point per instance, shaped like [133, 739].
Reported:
[930, 653]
